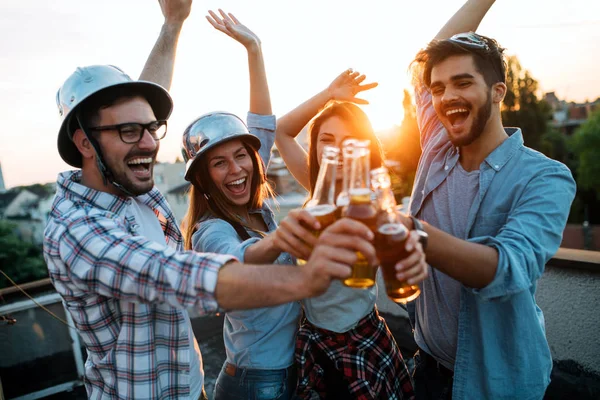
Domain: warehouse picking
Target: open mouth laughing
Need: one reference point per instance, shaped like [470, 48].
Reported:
[141, 166]
[238, 186]
[457, 115]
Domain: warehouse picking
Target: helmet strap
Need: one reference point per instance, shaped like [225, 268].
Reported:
[105, 172]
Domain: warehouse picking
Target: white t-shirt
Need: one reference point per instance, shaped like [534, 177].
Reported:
[151, 229]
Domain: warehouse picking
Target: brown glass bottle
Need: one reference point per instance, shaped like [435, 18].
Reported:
[360, 207]
[390, 239]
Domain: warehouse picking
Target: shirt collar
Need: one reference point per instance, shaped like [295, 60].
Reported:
[498, 158]
[69, 186]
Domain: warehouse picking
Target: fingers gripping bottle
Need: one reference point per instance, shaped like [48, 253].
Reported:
[360, 206]
[390, 238]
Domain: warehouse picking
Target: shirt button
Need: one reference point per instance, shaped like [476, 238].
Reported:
[497, 166]
[446, 168]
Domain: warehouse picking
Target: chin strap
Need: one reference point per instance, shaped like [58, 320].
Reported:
[105, 172]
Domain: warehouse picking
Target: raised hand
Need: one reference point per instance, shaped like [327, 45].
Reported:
[347, 85]
[232, 27]
[175, 11]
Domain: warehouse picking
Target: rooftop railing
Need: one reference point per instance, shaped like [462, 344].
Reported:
[41, 356]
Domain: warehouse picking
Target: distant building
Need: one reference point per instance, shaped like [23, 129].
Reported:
[6, 199]
[28, 208]
[168, 175]
[567, 117]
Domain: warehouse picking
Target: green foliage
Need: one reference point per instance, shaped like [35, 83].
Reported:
[522, 108]
[555, 145]
[20, 260]
[40, 189]
[586, 148]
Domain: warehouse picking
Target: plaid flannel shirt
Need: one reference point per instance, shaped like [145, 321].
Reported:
[127, 294]
[367, 361]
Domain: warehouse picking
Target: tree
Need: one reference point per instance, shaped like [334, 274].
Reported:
[555, 145]
[20, 260]
[586, 149]
[522, 107]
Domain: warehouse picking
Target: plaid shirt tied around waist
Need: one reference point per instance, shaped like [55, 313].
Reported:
[366, 357]
[126, 294]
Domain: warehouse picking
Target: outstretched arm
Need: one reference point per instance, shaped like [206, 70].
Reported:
[344, 88]
[466, 19]
[242, 286]
[260, 99]
[159, 66]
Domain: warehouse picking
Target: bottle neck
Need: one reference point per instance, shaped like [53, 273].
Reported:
[324, 192]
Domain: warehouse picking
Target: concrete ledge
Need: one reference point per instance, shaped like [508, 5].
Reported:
[577, 259]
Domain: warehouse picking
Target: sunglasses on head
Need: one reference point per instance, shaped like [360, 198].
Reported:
[470, 39]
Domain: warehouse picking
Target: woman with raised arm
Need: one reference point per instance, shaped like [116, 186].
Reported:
[226, 163]
[344, 349]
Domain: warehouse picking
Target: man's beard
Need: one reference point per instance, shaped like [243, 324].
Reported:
[124, 183]
[130, 188]
[479, 123]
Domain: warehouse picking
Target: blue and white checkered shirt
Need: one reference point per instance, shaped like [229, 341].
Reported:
[127, 294]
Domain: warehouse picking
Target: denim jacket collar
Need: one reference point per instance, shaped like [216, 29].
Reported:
[498, 158]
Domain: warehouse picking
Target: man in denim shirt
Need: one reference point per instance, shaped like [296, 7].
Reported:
[494, 211]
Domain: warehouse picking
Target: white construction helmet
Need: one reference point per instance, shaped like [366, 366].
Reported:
[210, 130]
[88, 82]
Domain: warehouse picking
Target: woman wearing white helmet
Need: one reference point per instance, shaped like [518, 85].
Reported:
[227, 214]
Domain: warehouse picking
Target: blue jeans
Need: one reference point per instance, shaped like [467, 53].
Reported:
[432, 380]
[256, 384]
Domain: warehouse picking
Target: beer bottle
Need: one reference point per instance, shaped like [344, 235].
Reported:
[390, 238]
[322, 204]
[360, 208]
[343, 198]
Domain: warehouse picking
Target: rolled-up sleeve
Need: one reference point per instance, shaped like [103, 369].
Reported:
[263, 127]
[427, 120]
[531, 235]
[218, 236]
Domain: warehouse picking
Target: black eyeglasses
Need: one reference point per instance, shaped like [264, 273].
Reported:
[132, 132]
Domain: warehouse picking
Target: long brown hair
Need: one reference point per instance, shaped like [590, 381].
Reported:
[205, 197]
[361, 127]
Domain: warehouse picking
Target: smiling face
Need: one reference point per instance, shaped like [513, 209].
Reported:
[461, 98]
[333, 132]
[132, 165]
[231, 170]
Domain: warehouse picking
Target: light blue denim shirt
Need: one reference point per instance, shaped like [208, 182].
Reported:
[521, 210]
[261, 338]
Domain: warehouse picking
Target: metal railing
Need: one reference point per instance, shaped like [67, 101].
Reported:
[13, 343]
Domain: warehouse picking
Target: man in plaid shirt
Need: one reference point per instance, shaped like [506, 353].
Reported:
[114, 251]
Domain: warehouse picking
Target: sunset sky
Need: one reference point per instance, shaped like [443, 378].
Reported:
[306, 44]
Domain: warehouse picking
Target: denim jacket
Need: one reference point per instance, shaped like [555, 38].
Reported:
[521, 211]
[261, 338]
